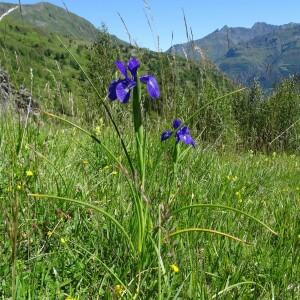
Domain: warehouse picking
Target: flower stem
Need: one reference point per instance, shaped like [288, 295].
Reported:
[176, 153]
[140, 150]
[139, 130]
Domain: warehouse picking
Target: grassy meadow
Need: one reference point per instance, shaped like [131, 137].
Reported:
[91, 212]
[55, 249]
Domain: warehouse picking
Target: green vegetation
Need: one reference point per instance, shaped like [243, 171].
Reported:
[55, 73]
[52, 18]
[66, 249]
[82, 221]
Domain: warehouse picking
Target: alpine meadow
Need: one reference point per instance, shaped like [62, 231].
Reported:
[131, 173]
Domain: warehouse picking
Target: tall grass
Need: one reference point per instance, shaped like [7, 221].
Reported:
[74, 251]
[99, 210]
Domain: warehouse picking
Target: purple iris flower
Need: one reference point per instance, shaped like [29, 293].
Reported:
[120, 89]
[182, 134]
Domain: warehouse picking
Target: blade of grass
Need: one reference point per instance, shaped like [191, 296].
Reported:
[235, 286]
[50, 163]
[187, 230]
[227, 208]
[214, 100]
[85, 204]
[89, 134]
[105, 266]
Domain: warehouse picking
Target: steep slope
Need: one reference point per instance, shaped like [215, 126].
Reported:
[52, 18]
[266, 52]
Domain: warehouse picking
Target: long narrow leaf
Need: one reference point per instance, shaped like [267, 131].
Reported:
[105, 266]
[234, 286]
[90, 135]
[103, 212]
[187, 230]
[214, 100]
[227, 208]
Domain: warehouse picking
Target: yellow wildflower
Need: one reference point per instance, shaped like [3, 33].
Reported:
[29, 173]
[49, 233]
[84, 162]
[232, 178]
[63, 241]
[118, 290]
[174, 268]
[239, 196]
[19, 187]
[114, 173]
[98, 130]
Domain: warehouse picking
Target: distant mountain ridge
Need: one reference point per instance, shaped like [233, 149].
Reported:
[266, 52]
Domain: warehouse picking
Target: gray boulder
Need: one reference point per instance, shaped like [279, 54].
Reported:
[19, 100]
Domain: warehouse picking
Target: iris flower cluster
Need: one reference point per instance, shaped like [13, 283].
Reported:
[121, 89]
[182, 134]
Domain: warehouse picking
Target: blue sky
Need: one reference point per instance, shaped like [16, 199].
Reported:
[203, 16]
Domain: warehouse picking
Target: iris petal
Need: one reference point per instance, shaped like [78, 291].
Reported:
[187, 139]
[183, 135]
[133, 65]
[112, 90]
[165, 135]
[176, 123]
[121, 67]
[152, 86]
[184, 130]
[123, 91]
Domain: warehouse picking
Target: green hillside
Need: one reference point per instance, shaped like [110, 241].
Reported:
[58, 78]
[24, 48]
[52, 18]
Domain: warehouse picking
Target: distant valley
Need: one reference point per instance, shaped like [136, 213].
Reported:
[266, 52]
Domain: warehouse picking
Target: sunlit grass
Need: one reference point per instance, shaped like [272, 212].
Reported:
[66, 250]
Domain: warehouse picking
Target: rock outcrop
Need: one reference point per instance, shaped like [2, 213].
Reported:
[18, 99]
[5, 90]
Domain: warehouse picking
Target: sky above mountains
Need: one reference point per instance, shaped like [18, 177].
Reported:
[166, 16]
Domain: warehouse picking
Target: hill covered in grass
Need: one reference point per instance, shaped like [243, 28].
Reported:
[58, 81]
[266, 52]
[53, 18]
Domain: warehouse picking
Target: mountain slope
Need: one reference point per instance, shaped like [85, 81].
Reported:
[266, 52]
[52, 18]
[59, 84]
